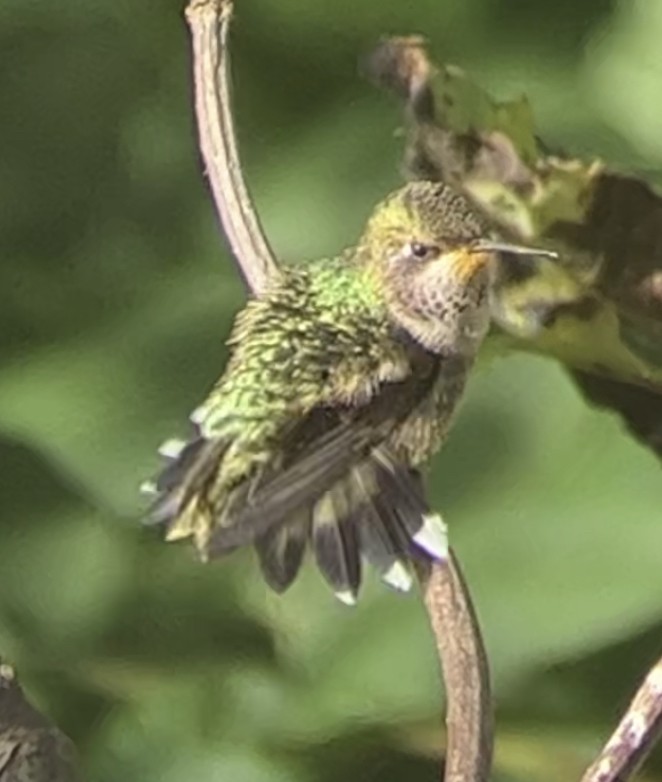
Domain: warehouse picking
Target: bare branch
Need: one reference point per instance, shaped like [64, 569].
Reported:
[459, 644]
[209, 21]
[469, 718]
[635, 736]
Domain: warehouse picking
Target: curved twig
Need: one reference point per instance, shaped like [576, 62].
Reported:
[469, 716]
[209, 21]
[459, 644]
[636, 734]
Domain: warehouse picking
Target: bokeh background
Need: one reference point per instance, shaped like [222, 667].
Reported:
[115, 297]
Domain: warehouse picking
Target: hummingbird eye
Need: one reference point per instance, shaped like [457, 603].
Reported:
[421, 251]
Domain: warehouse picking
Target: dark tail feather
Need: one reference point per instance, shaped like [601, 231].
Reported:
[280, 551]
[381, 548]
[377, 510]
[180, 459]
[396, 522]
[401, 489]
[177, 488]
[335, 543]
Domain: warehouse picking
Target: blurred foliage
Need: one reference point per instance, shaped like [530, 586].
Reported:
[115, 296]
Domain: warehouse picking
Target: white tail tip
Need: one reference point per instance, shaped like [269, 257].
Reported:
[346, 597]
[432, 537]
[148, 488]
[398, 576]
[171, 449]
[198, 415]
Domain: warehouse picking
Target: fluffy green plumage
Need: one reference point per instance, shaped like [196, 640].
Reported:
[343, 379]
[283, 344]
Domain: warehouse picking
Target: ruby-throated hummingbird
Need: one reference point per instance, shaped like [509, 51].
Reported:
[343, 380]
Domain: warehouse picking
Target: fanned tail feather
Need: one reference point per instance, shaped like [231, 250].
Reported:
[335, 543]
[402, 490]
[280, 551]
[177, 490]
[380, 546]
[394, 519]
[376, 510]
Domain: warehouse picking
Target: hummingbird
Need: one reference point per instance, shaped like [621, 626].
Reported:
[343, 379]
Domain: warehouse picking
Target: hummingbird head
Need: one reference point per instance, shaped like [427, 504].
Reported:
[431, 256]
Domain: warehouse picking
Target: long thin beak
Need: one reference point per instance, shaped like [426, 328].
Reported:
[486, 246]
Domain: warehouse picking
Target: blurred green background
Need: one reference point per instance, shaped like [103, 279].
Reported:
[115, 299]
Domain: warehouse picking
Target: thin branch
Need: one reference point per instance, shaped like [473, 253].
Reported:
[458, 640]
[635, 736]
[209, 21]
[469, 718]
